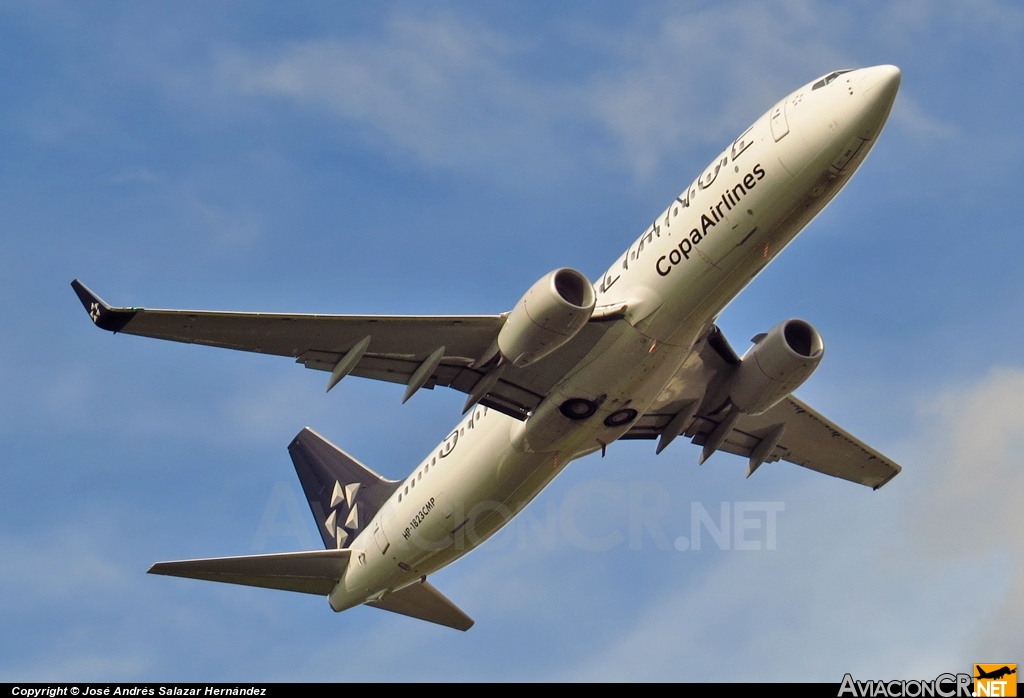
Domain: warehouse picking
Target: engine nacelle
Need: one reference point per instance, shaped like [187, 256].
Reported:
[775, 366]
[549, 315]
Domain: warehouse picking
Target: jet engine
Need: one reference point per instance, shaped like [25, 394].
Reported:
[778, 363]
[549, 315]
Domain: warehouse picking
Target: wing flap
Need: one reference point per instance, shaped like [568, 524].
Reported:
[422, 601]
[307, 572]
[809, 440]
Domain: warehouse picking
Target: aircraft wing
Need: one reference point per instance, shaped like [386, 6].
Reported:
[397, 345]
[802, 435]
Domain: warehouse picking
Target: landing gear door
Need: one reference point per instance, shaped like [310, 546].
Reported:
[380, 537]
[780, 125]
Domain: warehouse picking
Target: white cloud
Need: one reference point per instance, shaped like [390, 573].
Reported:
[448, 90]
[970, 507]
[453, 92]
[702, 75]
[438, 87]
[972, 503]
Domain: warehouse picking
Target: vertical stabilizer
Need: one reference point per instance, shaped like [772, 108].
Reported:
[343, 494]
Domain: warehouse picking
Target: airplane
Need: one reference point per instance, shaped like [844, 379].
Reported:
[573, 367]
[995, 674]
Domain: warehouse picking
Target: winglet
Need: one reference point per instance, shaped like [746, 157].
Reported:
[105, 317]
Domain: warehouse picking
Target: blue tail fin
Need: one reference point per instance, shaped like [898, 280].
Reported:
[343, 494]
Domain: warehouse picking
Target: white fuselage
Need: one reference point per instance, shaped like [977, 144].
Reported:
[674, 281]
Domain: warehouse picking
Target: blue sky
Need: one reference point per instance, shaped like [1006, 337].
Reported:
[404, 158]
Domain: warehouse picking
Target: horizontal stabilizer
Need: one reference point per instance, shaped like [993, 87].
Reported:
[312, 572]
[421, 600]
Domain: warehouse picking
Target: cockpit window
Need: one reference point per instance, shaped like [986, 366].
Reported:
[828, 78]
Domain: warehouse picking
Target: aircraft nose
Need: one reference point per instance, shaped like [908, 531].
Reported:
[880, 84]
